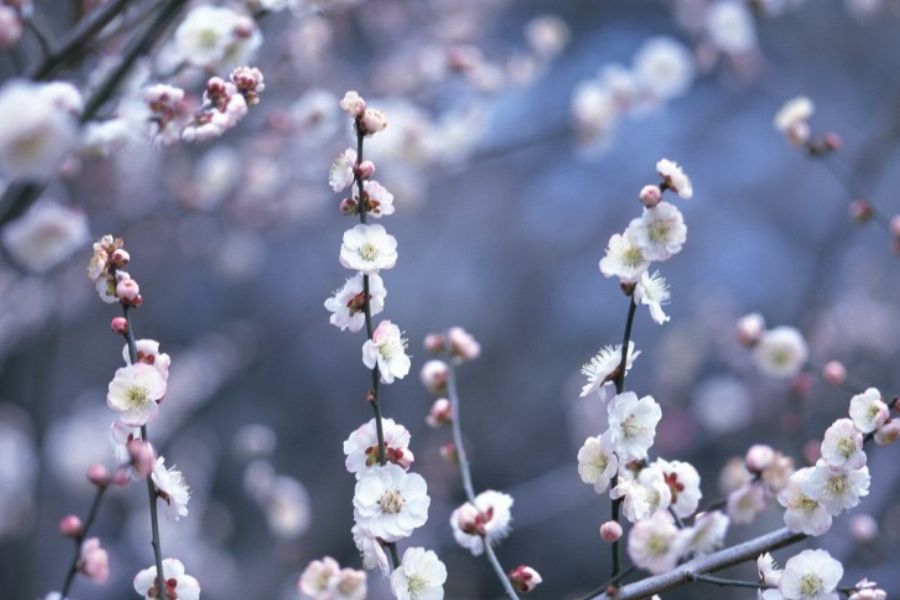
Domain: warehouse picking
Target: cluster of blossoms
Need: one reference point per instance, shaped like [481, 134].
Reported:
[618, 459]
[389, 502]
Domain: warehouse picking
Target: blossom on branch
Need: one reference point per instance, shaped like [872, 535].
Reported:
[362, 447]
[368, 249]
[420, 576]
[603, 369]
[811, 575]
[171, 488]
[632, 425]
[387, 350]
[135, 393]
[389, 502]
[485, 521]
[347, 305]
[178, 584]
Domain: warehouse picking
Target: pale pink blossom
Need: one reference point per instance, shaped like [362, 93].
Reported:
[135, 393]
[341, 175]
[750, 329]
[624, 258]
[611, 531]
[836, 488]
[656, 544]
[379, 201]
[93, 561]
[660, 231]
[434, 375]
[684, 483]
[362, 447]
[371, 550]
[316, 579]
[525, 579]
[868, 410]
[744, 503]
[371, 122]
[792, 119]
[674, 178]
[707, 534]
[487, 520]
[353, 104]
[178, 584]
[347, 305]
[653, 292]
[171, 488]
[440, 413]
[148, 353]
[45, 236]
[811, 575]
[644, 493]
[463, 345]
[387, 350]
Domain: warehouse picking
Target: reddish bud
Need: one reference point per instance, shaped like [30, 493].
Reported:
[434, 343]
[650, 195]
[441, 413]
[610, 531]
[860, 211]
[449, 453]
[120, 258]
[524, 579]
[98, 475]
[365, 169]
[128, 291]
[834, 373]
[434, 376]
[831, 141]
[142, 457]
[758, 458]
[119, 325]
[70, 526]
[349, 206]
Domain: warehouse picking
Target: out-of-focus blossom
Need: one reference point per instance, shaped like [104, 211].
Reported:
[793, 119]
[46, 235]
[730, 26]
[547, 35]
[664, 68]
[656, 544]
[93, 561]
[781, 352]
[674, 178]
[216, 38]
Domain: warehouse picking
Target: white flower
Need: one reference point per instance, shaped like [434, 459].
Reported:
[361, 447]
[420, 576]
[656, 544]
[653, 292]
[178, 585]
[347, 304]
[487, 520]
[843, 445]
[804, 514]
[34, 143]
[674, 178]
[216, 38]
[811, 575]
[341, 175]
[135, 393]
[769, 573]
[632, 425]
[624, 258]
[868, 410]
[171, 488]
[371, 550]
[644, 494]
[601, 371]
[390, 503]
[664, 68]
[148, 353]
[730, 26]
[325, 580]
[597, 463]
[387, 349]
[660, 231]
[836, 488]
[708, 532]
[745, 503]
[795, 112]
[781, 352]
[47, 234]
[684, 483]
[368, 248]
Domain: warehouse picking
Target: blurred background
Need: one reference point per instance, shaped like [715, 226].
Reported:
[520, 134]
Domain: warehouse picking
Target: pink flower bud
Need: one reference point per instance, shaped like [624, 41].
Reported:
[863, 528]
[440, 414]
[119, 325]
[888, 433]
[462, 344]
[128, 291]
[94, 561]
[434, 343]
[434, 376]
[834, 373]
[524, 579]
[121, 477]
[470, 520]
[98, 475]
[349, 206]
[650, 195]
[448, 453]
[244, 27]
[10, 27]
[750, 329]
[120, 258]
[365, 169]
[860, 211]
[142, 457]
[371, 122]
[70, 526]
[353, 104]
[758, 458]
[610, 531]
[831, 141]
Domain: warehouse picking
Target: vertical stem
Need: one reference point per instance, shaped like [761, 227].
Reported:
[620, 387]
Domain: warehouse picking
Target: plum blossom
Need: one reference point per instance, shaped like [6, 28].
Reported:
[843, 445]
[171, 488]
[216, 37]
[632, 425]
[387, 349]
[674, 178]
[525, 579]
[135, 393]
[731, 27]
[804, 514]
[46, 235]
[378, 200]
[781, 352]
[624, 258]
[178, 584]
[792, 119]
[488, 520]
[420, 576]
[811, 575]
[353, 104]
[602, 369]
[656, 544]
[463, 345]
[644, 493]
[371, 550]
[325, 580]
[868, 410]
[745, 502]
[347, 304]
[93, 561]
[660, 231]
[361, 447]
[707, 534]
[653, 292]
[836, 488]
[664, 68]
[368, 248]
[597, 463]
[341, 174]
[390, 503]
[684, 484]
[148, 353]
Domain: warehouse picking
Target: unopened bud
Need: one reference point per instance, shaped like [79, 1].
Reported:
[834, 373]
[120, 258]
[142, 457]
[860, 211]
[758, 458]
[349, 206]
[610, 531]
[98, 475]
[462, 344]
[119, 325]
[128, 291]
[365, 170]
[371, 122]
[470, 520]
[441, 413]
[70, 526]
[831, 141]
[524, 579]
[650, 195]
[888, 433]
[863, 528]
[434, 343]
[448, 453]
[121, 477]
[434, 376]
[750, 329]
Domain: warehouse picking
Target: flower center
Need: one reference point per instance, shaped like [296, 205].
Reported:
[416, 584]
[658, 231]
[846, 447]
[633, 257]
[658, 544]
[391, 502]
[368, 252]
[810, 585]
[837, 485]
[632, 427]
[136, 397]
